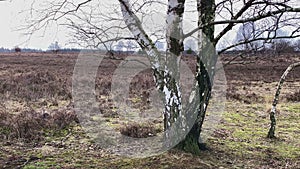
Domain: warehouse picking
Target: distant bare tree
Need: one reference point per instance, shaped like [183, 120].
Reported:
[297, 45]
[190, 44]
[247, 32]
[282, 46]
[120, 45]
[130, 46]
[54, 47]
[17, 49]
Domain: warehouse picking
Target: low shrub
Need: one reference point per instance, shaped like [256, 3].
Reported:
[138, 130]
[32, 126]
[295, 97]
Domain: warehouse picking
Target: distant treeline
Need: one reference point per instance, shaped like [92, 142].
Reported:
[6, 50]
[185, 53]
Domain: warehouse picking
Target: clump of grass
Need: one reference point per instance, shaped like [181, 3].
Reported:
[295, 97]
[138, 130]
[32, 126]
[247, 98]
[26, 125]
[35, 85]
[63, 118]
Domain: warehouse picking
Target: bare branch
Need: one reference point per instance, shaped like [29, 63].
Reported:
[255, 18]
[254, 40]
[234, 20]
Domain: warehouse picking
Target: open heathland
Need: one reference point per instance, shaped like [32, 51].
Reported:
[39, 127]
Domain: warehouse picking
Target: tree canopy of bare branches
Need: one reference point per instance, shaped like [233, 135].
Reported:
[104, 23]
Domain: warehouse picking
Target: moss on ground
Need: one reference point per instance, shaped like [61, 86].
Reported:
[239, 141]
[248, 129]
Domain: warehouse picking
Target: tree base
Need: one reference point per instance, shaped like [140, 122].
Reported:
[203, 147]
[271, 133]
[271, 136]
[191, 142]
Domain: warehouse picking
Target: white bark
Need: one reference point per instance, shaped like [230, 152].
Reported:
[166, 69]
[134, 25]
[174, 38]
[271, 133]
[166, 74]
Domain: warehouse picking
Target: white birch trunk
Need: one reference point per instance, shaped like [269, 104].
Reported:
[207, 58]
[166, 69]
[174, 38]
[167, 79]
[134, 25]
[271, 133]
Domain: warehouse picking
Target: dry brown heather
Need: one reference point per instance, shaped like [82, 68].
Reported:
[39, 128]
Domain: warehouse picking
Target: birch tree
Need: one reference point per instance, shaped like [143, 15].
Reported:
[216, 20]
[271, 133]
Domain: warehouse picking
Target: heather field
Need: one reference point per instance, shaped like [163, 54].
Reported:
[39, 127]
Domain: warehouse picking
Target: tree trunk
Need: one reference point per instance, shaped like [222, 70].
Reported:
[166, 71]
[174, 38]
[206, 61]
[154, 56]
[271, 133]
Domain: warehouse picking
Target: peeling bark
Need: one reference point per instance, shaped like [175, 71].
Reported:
[174, 38]
[271, 133]
[166, 69]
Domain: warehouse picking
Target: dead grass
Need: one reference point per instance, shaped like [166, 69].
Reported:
[138, 130]
[294, 97]
[32, 126]
[245, 97]
[33, 87]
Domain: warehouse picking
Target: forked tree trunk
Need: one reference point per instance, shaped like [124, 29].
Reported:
[271, 133]
[166, 71]
[165, 68]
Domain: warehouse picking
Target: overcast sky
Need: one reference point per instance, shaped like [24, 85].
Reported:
[11, 19]
[7, 16]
